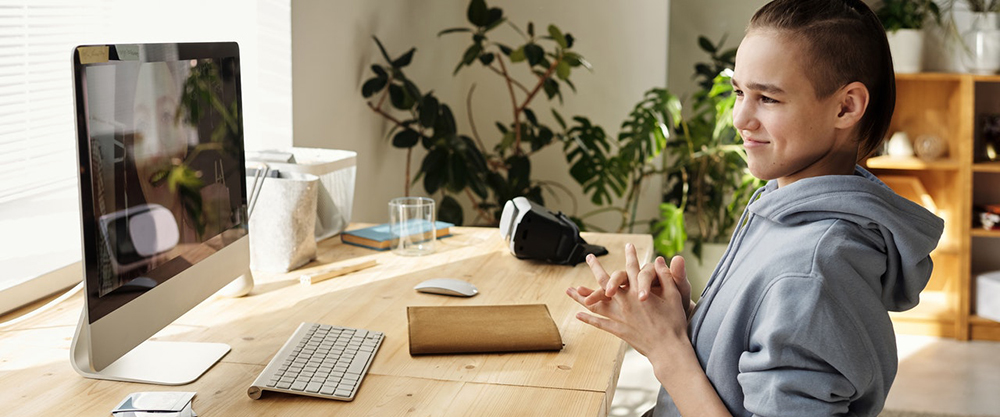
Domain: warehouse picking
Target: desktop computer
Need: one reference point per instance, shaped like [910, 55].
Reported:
[163, 201]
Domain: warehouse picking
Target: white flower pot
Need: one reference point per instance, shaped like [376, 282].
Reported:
[906, 46]
[983, 44]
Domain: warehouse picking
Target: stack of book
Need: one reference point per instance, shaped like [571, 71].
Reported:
[379, 237]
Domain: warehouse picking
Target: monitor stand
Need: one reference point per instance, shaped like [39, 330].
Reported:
[152, 362]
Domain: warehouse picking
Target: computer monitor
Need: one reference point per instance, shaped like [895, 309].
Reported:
[163, 202]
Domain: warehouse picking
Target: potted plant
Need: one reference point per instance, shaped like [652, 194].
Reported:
[489, 173]
[982, 41]
[707, 183]
[903, 21]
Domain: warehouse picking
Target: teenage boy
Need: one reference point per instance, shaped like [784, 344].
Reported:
[794, 321]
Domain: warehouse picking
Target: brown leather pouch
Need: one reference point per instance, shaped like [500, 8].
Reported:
[479, 329]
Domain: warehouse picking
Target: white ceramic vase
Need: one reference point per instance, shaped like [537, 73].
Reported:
[906, 46]
[983, 44]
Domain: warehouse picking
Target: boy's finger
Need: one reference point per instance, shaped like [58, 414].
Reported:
[631, 260]
[644, 281]
[618, 278]
[598, 270]
[678, 270]
[584, 291]
[599, 322]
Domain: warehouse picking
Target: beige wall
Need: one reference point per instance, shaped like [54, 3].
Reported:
[332, 49]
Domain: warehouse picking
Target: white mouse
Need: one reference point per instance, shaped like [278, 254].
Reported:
[447, 286]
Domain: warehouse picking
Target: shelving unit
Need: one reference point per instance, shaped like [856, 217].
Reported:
[948, 106]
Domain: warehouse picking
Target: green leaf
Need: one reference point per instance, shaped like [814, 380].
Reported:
[435, 169]
[412, 92]
[531, 29]
[404, 59]
[478, 14]
[559, 119]
[534, 53]
[562, 70]
[557, 35]
[428, 110]
[406, 138]
[445, 122]
[517, 55]
[495, 18]
[501, 128]
[470, 55]
[551, 88]
[397, 96]
[706, 45]
[486, 59]
[379, 71]
[450, 211]
[454, 30]
[373, 86]
[569, 40]
[458, 174]
[670, 233]
[519, 172]
[505, 49]
[531, 116]
[382, 49]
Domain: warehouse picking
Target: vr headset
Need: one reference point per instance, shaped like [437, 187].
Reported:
[535, 232]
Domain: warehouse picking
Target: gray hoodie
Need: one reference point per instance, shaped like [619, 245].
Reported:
[794, 321]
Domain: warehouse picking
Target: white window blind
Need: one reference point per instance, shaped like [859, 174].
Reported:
[39, 218]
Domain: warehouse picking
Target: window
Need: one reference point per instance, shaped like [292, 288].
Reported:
[39, 218]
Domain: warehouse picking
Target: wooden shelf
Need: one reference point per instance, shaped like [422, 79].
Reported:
[911, 163]
[980, 232]
[946, 76]
[930, 76]
[934, 306]
[986, 167]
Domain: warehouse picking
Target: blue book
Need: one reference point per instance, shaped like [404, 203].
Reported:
[379, 237]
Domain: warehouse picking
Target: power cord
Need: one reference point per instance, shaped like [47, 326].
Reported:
[43, 308]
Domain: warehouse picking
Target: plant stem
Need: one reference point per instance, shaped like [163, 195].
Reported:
[406, 185]
[472, 123]
[475, 206]
[515, 82]
[513, 102]
[541, 82]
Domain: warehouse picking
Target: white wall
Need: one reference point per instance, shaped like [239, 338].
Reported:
[332, 50]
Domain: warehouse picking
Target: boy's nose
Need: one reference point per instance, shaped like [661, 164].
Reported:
[743, 117]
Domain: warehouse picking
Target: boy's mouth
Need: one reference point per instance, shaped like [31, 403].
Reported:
[753, 142]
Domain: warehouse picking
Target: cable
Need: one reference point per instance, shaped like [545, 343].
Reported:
[43, 308]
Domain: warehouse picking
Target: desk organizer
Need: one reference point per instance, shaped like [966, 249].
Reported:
[336, 169]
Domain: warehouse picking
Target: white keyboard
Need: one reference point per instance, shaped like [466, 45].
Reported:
[320, 360]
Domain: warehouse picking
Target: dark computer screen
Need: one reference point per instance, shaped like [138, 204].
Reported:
[161, 163]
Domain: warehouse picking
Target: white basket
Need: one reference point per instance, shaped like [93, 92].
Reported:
[988, 295]
[336, 169]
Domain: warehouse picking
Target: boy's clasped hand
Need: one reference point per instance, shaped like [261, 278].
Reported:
[646, 306]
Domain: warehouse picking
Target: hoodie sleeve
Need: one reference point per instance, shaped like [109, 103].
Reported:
[807, 353]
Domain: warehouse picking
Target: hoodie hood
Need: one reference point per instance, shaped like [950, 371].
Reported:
[909, 230]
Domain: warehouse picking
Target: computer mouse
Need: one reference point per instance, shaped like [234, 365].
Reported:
[447, 286]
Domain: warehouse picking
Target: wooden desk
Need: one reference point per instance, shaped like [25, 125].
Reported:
[36, 378]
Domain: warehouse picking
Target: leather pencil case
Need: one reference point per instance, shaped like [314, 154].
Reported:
[481, 329]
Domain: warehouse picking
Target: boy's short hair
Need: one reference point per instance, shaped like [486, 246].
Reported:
[846, 43]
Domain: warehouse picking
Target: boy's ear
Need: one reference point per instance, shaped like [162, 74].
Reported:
[853, 100]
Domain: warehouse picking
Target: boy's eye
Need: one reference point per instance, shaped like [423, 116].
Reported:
[738, 92]
[768, 100]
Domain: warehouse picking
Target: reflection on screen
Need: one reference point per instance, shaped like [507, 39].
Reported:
[165, 168]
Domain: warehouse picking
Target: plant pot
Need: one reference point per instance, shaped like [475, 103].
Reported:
[982, 44]
[906, 46]
[699, 272]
